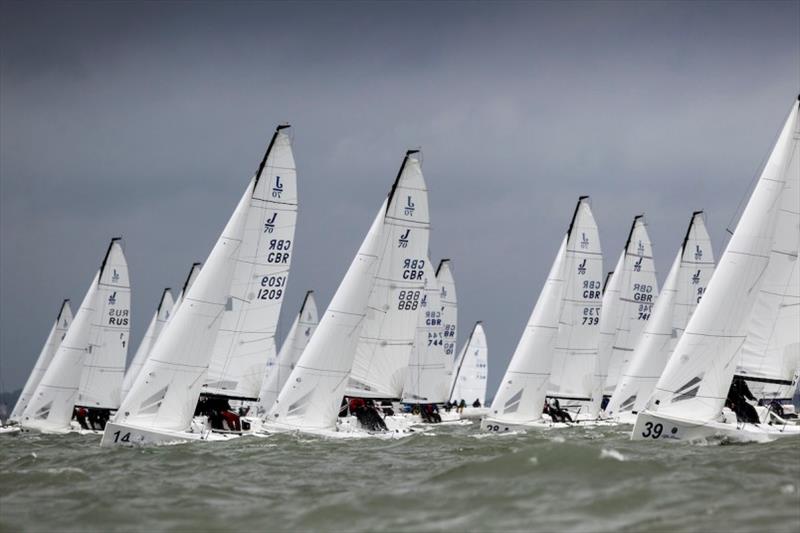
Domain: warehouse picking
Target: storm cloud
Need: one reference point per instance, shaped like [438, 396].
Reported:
[146, 120]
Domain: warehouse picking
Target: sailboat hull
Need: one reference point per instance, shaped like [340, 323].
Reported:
[651, 427]
[123, 435]
[493, 425]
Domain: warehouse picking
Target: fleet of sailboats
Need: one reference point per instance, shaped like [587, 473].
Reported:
[681, 364]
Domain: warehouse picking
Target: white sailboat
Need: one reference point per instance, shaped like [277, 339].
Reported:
[57, 333]
[471, 372]
[610, 312]
[574, 360]
[683, 288]
[447, 288]
[427, 368]
[303, 327]
[246, 336]
[520, 399]
[689, 399]
[86, 370]
[638, 292]
[310, 400]
[162, 314]
[162, 401]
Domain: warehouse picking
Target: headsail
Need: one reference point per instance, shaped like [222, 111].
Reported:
[697, 378]
[387, 337]
[246, 337]
[472, 369]
[609, 317]
[578, 330]
[194, 271]
[685, 284]
[165, 393]
[427, 367]
[302, 329]
[162, 314]
[524, 386]
[57, 333]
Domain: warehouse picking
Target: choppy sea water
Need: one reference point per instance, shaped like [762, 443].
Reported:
[450, 478]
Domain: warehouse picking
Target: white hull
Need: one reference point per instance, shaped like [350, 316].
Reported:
[492, 425]
[118, 435]
[347, 427]
[651, 426]
[9, 429]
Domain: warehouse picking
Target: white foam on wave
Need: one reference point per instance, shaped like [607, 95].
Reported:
[612, 454]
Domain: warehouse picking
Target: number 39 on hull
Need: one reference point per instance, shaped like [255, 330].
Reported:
[650, 426]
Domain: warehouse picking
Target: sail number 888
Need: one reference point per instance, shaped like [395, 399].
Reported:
[408, 300]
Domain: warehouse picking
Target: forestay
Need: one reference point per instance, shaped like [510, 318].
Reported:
[246, 337]
[387, 337]
[682, 291]
[54, 338]
[472, 369]
[162, 314]
[522, 391]
[697, 378]
[578, 330]
[427, 368]
[447, 295]
[300, 333]
[638, 288]
[165, 393]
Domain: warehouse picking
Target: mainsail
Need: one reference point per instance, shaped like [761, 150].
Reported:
[524, 386]
[447, 289]
[638, 291]
[302, 329]
[312, 395]
[162, 314]
[57, 333]
[472, 368]
[387, 336]
[100, 326]
[699, 373]
[246, 337]
[578, 329]
[427, 367]
[682, 291]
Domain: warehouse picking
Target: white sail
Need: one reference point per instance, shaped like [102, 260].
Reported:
[57, 333]
[246, 337]
[387, 337]
[160, 317]
[578, 331]
[427, 367]
[104, 366]
[697, 377]
[303, 327]
[683, 288]
[522, 391]
[609, 317]
[638, 292]
[770, 355]
[472, 369]
[447, 289]
[165, 393]
[194, 271]
[312, 394]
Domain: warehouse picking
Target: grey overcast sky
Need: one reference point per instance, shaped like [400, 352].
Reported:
[146, 120]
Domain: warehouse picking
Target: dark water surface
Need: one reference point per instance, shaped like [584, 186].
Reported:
[452, 478]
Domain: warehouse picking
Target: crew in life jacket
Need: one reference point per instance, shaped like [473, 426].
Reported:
[476, 403]
[557, 414]
[738, 395]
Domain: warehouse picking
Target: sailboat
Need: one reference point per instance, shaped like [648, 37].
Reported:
[519, 401]
[682, 291]
[246, 337]
[162, 314]
[689, 401]
[57, 333]
[636, 287]
[303, 327]
[447, 288]
[471, 372]
[575, 353]
[162, 401]
[427, 368]
[86, 370]
[194, 271]
[383, 284]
